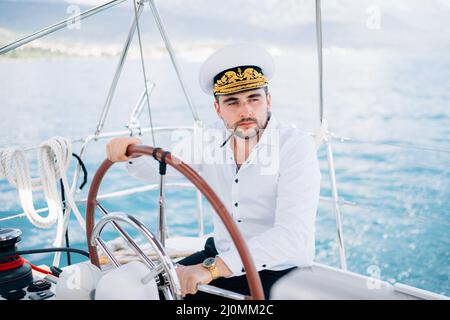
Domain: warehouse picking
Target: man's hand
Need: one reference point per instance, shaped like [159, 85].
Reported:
[191, 276]
[117, 147]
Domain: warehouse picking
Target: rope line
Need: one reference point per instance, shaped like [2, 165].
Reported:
[54, 157]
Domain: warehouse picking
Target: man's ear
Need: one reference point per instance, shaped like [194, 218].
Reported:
[217, 108]
[269, 101]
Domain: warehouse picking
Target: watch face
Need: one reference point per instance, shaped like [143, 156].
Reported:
[209, 262]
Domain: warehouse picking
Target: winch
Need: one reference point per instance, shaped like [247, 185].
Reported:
[15, 274]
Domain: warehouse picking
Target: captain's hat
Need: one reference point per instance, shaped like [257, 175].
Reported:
[236, 68]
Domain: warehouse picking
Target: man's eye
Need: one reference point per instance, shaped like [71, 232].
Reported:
[232, 103]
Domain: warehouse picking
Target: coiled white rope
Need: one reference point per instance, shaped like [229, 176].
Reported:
[54, 157]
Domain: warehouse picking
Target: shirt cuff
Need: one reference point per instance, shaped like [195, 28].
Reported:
[135, 161]
[133, 164]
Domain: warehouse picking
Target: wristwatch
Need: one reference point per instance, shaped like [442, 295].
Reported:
[210, 264]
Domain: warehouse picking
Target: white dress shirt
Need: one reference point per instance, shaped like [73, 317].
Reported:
[273, 197]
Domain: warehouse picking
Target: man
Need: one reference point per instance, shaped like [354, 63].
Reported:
[270, 185]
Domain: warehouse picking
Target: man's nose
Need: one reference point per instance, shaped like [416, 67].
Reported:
[246, 110]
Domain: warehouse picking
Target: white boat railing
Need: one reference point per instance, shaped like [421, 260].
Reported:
[188, 186]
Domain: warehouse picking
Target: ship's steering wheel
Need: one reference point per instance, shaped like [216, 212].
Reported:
[252, 275]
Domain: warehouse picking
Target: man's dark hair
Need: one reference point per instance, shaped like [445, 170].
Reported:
[266, 90]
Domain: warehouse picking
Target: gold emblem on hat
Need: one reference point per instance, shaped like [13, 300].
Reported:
[233, 81]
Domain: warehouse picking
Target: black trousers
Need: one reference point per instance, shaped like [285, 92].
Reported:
[236, 284]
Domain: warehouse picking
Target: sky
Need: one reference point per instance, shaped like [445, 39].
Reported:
[402, 25]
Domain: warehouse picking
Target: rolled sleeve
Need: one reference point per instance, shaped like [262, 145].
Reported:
[143, 168]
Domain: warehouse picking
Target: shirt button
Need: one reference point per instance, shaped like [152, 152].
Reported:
[235, 204]
[237, 180]
[242, 270]
[264, 265]
[130, 162]
[239, 220]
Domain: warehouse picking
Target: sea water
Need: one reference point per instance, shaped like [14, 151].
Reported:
[395, 174]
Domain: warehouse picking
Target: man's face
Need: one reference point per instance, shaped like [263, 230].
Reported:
[245, 112]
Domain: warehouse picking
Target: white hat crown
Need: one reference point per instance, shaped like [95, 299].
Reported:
[231, 57]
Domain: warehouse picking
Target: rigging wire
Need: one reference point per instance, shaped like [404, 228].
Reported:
[143, 70]
[170, 50]
[319, 57]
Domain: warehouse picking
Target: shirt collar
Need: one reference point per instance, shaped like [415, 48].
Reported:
[269, 136]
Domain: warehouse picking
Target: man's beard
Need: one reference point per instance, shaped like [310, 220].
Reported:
[249, 133]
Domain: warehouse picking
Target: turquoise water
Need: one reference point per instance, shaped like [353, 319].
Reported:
[401, 223]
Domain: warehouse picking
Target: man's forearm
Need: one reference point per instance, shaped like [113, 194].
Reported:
[223, 268]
